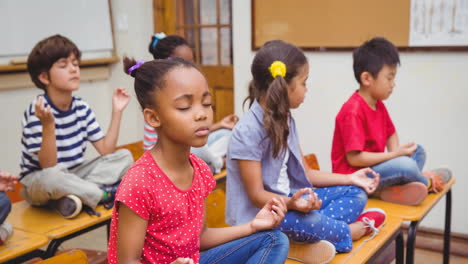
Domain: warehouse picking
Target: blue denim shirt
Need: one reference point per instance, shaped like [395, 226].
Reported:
[249, 141]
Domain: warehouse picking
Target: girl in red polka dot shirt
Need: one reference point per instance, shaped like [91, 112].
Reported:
[159, 206]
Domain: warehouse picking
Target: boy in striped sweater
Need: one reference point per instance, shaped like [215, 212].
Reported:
[56, 127]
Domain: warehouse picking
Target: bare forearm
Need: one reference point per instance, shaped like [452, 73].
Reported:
[48, 153]
[212, 237]
[367, 159]
[322, 178]
[260, 197]
[215, 126]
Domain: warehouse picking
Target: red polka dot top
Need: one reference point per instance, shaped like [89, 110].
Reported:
[175, 216]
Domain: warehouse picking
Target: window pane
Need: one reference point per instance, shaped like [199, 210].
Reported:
[208, 12]
[225, 10]
[184, 13]
[209, 51]
[226, 49]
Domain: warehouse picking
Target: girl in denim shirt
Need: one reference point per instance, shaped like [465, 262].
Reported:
[265, 161]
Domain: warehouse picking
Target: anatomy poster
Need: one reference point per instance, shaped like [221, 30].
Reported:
[439, 23]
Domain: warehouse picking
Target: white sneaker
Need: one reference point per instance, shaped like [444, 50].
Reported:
[312, 253]
[6, 230]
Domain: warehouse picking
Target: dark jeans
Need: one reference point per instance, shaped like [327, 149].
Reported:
[5, 206]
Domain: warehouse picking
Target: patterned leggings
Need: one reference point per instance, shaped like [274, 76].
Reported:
[341, 205]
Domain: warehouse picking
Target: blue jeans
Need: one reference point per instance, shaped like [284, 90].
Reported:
[341, 205]
[5, 206]
[262, 247]
[402, 170]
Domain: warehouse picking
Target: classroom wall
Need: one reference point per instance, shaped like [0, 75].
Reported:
[133, 26]
[428, 106]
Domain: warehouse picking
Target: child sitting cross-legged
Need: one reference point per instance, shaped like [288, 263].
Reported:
[56, 128]
[363, 129]
[159, 212]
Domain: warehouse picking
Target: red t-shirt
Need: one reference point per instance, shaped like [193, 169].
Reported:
[359, 127]
[175, 217]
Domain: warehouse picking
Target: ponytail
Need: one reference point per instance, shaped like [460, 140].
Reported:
[276, 115]
[273, 68]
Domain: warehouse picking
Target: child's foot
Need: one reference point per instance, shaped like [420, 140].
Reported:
[373, 219]
[68, 206]
[438, 178]
[412, 193]
[6, 230]
[312, 253]
[109, 192]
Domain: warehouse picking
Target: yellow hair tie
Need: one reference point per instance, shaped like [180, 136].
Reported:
[278, 68]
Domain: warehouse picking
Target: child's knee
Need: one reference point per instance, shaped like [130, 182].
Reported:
[123, 154]
[5, 202]
[278, 238]
[51, 175]
[359, 193]
[407, 166]
[420, 150]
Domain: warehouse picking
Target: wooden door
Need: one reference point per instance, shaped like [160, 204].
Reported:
[207, 26]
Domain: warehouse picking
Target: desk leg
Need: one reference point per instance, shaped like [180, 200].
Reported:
[108, 226]
[55, 243]
[52, 248]
[399, 248]
[411, 242]
[448, 218]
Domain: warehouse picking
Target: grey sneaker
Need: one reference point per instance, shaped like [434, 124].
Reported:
[439, 178]
[445, 174]
[68, 206]
[6, 230]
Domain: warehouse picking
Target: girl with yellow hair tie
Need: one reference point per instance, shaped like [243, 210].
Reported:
[265, 161]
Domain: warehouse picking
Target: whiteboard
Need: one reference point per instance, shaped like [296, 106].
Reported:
[23, 23]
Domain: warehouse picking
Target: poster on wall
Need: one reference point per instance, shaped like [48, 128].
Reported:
[438, 23]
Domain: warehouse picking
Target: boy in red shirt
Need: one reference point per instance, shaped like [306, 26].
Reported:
[363, 128]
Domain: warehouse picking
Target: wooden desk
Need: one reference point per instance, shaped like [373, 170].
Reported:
[366, 251]
[47, 222]
[22, 246]
[416, 214]
[75, 256]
